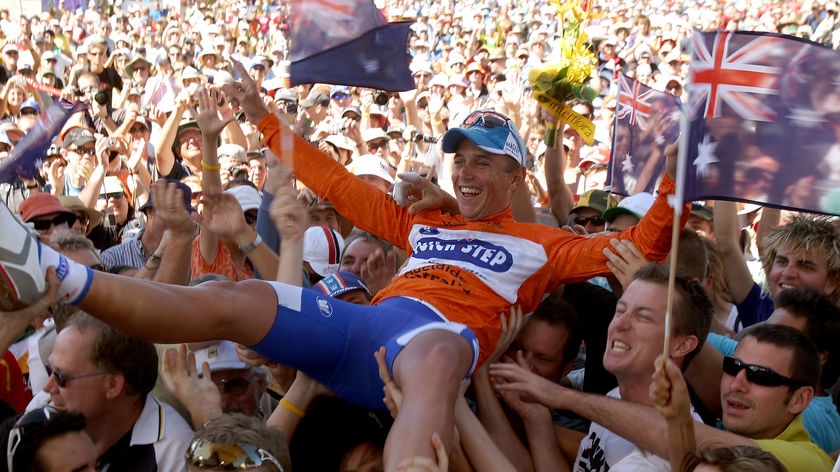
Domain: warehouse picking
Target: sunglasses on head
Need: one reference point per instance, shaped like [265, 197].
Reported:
[61, 379]
[28, 424]
[487, 119]
[57, 220]
[595, 220]
[759, 375]
[203, 453]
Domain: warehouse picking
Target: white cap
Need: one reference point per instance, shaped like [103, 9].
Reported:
[636, 205]
[221, 355]
[322, 247]
[247, 196]
[368, 164]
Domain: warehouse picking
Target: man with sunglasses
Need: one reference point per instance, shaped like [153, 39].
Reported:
[439, 317]
[108, 377]
[241, 385]
[47, 215]
[589, 210]
[78, 148]
[815, 315]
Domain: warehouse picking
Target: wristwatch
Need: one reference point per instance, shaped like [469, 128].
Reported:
[253, 245]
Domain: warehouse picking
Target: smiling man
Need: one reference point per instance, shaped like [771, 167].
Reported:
[438, 318]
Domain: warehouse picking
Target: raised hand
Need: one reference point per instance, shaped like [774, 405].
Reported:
[246, 94]
[624, 260]
[208, 113]
[223, 216]
[393, 393]
[170, 209]
[420, 194]
[515, 377]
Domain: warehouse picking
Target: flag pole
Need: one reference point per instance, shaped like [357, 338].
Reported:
[677, 203]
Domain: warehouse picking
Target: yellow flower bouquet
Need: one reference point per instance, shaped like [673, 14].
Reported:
[566, 74]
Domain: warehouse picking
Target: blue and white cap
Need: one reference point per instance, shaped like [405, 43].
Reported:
[340, 283]
[490, 131]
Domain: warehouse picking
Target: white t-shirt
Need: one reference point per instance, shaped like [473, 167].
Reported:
[602, 450]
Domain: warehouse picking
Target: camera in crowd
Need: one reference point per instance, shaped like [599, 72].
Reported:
[381, 97]
[418, 137]
[291, 108]
[98, 96]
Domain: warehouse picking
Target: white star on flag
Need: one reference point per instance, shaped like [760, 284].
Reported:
[627, 164]
[705, 156]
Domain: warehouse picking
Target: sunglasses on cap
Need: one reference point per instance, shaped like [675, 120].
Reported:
[203, 453]
[61, 379]
[487, 119]
[595, 220]
[340, 96]
[57, 220]
[27, 425]
[759, 375]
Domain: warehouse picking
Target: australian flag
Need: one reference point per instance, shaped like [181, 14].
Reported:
[31, 150]
[646, 121]
[764, 113]
[348, 42]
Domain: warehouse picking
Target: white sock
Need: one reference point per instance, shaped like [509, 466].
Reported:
[75, 278]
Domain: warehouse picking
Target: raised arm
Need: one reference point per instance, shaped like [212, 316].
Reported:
[727, 237]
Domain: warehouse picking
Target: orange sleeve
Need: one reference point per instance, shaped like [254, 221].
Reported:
[222, 264]
[366, 207]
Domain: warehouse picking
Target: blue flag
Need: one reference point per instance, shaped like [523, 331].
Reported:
[31, 150]
[646, 121]
[764, 113]
[348, 42]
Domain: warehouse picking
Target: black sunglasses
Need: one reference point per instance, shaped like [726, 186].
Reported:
[235, 387]
[373, 146]
[57, 220]
[595, 220]
[759, 375]
[114, 195]
[61, 379]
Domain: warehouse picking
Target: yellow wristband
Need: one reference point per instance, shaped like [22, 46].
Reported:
[207, 166]
[437, 122]
[295, 410]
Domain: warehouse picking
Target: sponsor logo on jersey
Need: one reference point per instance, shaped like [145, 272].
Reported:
[324, 307]
[474, 251]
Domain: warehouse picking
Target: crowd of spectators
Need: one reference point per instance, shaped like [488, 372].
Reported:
[154, 76]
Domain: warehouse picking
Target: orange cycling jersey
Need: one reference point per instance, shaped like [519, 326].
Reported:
[470, 271]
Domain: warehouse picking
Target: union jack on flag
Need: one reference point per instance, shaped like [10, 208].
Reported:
[646, 121]
[761, 125]
[736, 69]
[633, 101]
